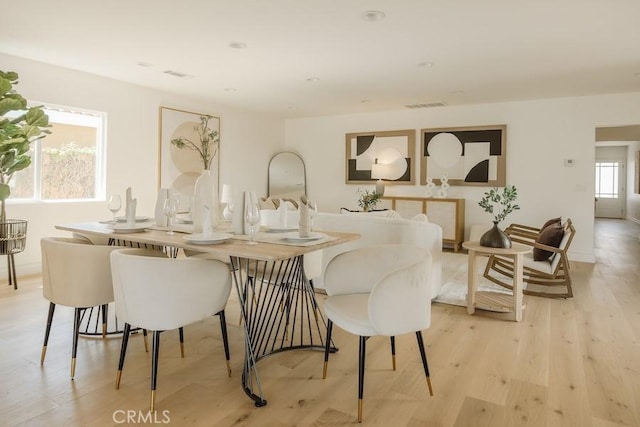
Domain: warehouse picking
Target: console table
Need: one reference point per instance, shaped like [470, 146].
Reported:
[447, 213]
[496, 301]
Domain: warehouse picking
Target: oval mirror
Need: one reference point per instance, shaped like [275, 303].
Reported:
[287, 177]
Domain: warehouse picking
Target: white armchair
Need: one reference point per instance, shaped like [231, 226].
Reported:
[380, 290]
[158, 293]
[75, 273]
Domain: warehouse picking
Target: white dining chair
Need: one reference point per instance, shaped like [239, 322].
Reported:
[158, 293]
[379, 290]
[75, 273]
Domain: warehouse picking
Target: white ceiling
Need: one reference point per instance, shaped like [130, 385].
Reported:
[482, 50]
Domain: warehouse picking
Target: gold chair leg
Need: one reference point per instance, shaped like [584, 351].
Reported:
[153, 400]
[73, 367]
[393, 361]
[43, 354]
[359, 410]
[324, 370]
[182, 350]
[429, 385]
[118, 377]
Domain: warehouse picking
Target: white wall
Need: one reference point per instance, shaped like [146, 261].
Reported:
[633, 198]
[248, 140]
[540, 135]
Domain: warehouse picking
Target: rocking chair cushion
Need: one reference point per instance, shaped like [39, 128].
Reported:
[551, 236]
[552, 221]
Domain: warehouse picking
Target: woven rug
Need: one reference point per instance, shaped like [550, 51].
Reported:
[455, 279]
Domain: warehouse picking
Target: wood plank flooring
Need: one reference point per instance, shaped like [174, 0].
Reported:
[572, 362]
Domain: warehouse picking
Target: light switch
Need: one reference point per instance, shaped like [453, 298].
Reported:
[569, 162]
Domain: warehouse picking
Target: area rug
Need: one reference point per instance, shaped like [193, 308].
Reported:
[455, 279]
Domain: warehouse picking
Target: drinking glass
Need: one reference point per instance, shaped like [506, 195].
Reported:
[114, 205]
[252, 215]
[170, 210]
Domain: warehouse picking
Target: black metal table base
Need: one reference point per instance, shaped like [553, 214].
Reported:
[279, 311]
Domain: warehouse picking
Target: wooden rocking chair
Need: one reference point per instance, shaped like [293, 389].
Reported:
[553, 272]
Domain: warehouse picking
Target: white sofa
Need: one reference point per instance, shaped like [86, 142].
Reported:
[374, 230]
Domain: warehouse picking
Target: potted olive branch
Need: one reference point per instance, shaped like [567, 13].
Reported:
[368, 199]
[499, 204]
[207, 146]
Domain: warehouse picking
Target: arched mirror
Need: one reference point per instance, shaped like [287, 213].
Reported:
[287, 177]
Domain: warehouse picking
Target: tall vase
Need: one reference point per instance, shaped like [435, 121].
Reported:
[495, 238]
[205, 210]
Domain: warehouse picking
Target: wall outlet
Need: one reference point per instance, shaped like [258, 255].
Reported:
[569, 162]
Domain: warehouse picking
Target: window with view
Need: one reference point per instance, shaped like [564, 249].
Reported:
[68, 163]
[607, 180]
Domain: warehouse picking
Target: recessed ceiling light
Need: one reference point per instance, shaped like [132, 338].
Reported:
[237, 45]
[230, 89]
[313, 79]
[365, 101]
[143, 64]
[426, 64]
[456, 92]
[373, 15]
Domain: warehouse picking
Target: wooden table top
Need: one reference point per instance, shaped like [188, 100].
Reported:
[232, 247]
[516, 248]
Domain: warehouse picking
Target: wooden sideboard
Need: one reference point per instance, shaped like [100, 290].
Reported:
[447, 213]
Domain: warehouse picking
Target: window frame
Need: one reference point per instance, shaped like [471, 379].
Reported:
[37, 158]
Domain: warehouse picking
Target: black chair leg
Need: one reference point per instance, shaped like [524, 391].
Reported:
[155, 349]
[181, 332]
[13, 280]
[144, 337]
[123, 352]
[327, 347]
[76, 331]
[393, 352]
[225, 340]
[105, 314]
[363, 351]
[423, 354]
[52, 309]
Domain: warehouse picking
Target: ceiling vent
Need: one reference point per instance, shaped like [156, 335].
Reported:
[427, 105]
[177, 74]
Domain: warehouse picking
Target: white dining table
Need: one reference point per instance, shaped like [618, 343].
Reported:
[277, 301]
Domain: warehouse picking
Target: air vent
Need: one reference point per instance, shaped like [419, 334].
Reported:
[427, 105]
[177, 74]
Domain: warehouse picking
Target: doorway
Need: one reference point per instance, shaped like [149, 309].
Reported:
[611, 182]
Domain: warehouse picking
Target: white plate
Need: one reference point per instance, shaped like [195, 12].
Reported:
[138, 219]
[207, 239]
[279, 230]
[294, 237]
[123, 228]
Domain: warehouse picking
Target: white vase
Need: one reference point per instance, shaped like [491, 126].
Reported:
[205, 201]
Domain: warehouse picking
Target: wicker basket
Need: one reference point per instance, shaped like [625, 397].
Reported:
[13, 236]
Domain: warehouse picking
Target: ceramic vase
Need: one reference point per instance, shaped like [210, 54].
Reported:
[495, 238]
[205, 202]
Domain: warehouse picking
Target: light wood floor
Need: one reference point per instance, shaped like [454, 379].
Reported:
[569, 362]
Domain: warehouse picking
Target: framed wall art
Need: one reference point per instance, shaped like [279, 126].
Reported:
[180, 167]
[395, 150]
[473, 156]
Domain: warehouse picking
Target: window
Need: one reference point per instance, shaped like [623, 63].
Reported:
[68, 164]
[607, 180]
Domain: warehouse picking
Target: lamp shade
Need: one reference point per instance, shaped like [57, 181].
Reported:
[378, 171]
[227, 194]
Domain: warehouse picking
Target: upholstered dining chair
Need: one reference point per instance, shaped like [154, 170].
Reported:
[75, 273]
[379, 290]
[158, 293]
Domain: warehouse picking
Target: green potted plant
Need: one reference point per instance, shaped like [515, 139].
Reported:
[20, 125]
[368, 199]
[499, 204]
